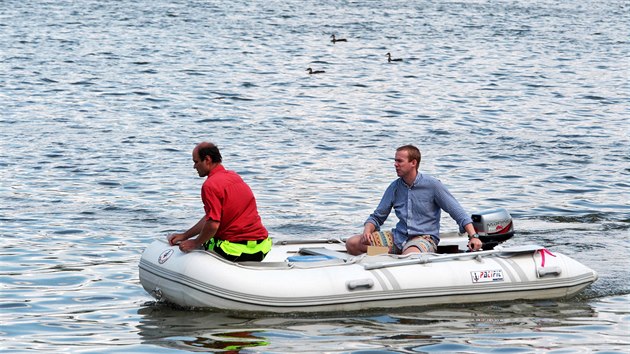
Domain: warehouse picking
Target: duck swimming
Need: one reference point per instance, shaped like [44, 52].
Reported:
[335, 40]
[311, 71]
[389, 58]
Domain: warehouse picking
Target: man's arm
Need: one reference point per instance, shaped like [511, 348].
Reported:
[474, 243]
[208, 230]
[176, 238]
[382, 211]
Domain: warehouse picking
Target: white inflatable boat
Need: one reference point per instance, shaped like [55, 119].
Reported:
[318, 276]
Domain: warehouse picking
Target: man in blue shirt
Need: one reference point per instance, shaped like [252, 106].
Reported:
[418, 200]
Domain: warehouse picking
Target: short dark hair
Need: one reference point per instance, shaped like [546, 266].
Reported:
[412, 152]
[209, 149]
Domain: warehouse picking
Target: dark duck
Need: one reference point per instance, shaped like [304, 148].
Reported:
[335, 40]
[389, 58]
[311, 71]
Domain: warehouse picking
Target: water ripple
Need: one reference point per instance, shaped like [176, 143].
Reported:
[521, 105]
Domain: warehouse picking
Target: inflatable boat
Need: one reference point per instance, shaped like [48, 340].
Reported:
[319, 276]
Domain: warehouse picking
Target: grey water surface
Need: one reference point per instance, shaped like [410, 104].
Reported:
[514, 104]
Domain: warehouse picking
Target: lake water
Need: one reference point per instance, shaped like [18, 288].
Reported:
[515, 104]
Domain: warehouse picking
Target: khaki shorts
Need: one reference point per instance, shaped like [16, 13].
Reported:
[424, 243]
[383, 239]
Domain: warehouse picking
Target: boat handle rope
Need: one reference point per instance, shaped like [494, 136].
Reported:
[542, 255]
[543, 271]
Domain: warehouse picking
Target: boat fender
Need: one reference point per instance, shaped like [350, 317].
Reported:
[360, 283]
[543, 272]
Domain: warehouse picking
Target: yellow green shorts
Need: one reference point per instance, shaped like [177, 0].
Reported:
[240, 250]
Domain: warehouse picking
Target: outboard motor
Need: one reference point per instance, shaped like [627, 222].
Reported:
[494, 226]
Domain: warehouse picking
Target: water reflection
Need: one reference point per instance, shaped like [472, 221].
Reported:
[187, 330]
[229, 342]
[505, 326]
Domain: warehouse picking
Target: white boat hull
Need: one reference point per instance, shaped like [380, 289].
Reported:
[203, 279]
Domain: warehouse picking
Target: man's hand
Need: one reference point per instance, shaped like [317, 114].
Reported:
[368, 229]
[175, 239]
[189, 245]
[474, 244]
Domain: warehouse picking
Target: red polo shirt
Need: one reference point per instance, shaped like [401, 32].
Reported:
[229, 200]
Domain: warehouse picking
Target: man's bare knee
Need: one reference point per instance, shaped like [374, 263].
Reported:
[412, 249]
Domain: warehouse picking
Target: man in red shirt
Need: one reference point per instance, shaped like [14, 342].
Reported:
[231, 225]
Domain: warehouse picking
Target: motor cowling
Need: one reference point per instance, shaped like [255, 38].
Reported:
[493, 225]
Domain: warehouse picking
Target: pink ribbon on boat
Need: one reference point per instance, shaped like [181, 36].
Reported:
[542, 255]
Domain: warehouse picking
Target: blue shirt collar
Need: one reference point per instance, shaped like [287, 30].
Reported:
[415, 182]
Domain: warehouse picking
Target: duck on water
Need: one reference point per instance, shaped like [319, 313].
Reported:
[390, 59]
[311, 71]
[335, 40]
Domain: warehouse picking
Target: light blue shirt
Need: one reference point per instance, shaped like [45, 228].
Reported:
[418, 208]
